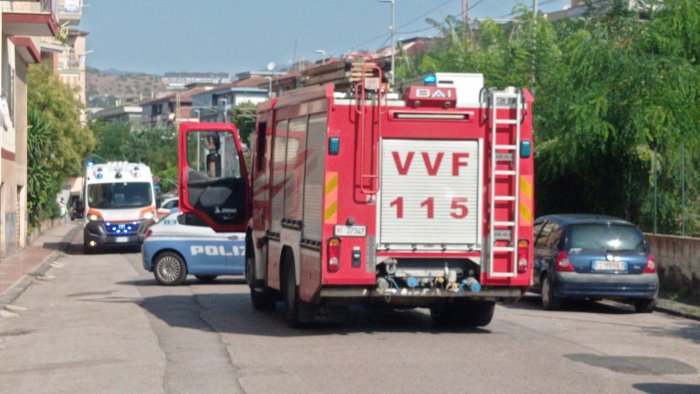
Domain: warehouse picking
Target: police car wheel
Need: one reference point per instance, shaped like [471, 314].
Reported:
[169, 269]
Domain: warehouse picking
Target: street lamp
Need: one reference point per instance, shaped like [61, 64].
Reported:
[269, 86]
[393, 36]
[323, 54]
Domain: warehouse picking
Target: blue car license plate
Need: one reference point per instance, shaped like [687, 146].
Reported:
[606, 265]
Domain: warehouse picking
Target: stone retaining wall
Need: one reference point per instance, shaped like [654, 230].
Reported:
[678, 260]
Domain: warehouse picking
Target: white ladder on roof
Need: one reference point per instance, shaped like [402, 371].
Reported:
[503, 233]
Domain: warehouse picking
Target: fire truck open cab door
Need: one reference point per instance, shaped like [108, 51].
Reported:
[213, 181]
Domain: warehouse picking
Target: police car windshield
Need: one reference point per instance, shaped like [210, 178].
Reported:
[119, 195]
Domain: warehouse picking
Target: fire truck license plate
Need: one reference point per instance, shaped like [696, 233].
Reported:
[350, 231]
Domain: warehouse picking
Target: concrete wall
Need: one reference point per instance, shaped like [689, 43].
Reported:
[678, 260]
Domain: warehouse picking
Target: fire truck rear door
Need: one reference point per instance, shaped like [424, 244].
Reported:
[430, 195]
[213, 180]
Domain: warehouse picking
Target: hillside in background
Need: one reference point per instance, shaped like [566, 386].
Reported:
[105, 88]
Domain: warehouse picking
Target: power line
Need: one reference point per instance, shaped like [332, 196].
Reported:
[425, 14]
[433, 27]
[404, 24]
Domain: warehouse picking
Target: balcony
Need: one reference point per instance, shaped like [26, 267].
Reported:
[69, 11]
[29, 18]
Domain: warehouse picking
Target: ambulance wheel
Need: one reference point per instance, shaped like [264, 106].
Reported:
[206, 278]
[262, 298]
[169, 269]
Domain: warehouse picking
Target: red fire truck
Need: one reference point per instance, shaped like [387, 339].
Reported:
[417, 199]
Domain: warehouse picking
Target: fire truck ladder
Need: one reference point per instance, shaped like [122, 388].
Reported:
[504, 231]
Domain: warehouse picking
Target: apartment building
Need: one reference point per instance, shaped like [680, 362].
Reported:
[22, 23]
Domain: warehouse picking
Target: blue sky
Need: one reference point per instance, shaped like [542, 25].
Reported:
[156, 36]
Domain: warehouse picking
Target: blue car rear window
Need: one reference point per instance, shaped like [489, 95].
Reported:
[607, 237]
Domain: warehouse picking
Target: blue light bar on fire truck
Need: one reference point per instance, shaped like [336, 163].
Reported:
[430, 79]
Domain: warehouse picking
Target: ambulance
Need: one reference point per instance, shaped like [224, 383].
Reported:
[119, 203]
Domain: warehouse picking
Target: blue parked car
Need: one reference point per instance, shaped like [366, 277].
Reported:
[181, 244]
[594, 257]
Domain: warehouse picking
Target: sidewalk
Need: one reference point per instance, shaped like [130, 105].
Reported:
[18, 271]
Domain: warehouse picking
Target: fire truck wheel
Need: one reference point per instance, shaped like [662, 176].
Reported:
[464, 314]
[206, 278]
[297, 313]
[550, 301]
[291, 294]
[476, 314]
[263, 299]
[169, 269]
[291, 298]
[439, 313]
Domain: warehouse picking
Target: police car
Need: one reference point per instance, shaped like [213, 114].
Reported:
[181, 244]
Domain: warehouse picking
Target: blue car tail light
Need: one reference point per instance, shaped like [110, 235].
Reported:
[563, 263]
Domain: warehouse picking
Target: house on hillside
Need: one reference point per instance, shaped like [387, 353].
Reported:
[215, 105]
[125, 114]
[170, 109]
[580, 8]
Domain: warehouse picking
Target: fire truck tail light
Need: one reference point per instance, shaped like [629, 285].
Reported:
[333, 255]
[525, 149]
[650, 268]
[523, 252]
[333, 146]
[563, 263]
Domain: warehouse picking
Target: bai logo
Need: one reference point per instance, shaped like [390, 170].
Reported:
[425, 93]
[217, 250]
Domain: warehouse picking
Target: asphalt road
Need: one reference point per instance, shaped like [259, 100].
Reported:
[100, 323]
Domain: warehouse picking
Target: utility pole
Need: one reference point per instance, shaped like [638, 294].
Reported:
[465, 11]
[393, 38]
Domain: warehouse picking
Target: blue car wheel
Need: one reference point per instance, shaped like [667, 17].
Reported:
[550, 301]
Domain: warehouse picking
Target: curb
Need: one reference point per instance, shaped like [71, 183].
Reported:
[19, 287]
[676, 312]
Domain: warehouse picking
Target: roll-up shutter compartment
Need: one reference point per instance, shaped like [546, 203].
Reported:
[429, 196]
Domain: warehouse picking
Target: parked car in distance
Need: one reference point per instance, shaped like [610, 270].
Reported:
[167, 206]
[181, 244]
[594, 257]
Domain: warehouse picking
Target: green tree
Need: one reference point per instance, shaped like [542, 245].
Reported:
[56, 140]
[616, 103]
[56, 103]
[155, 147]
[244, 119]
